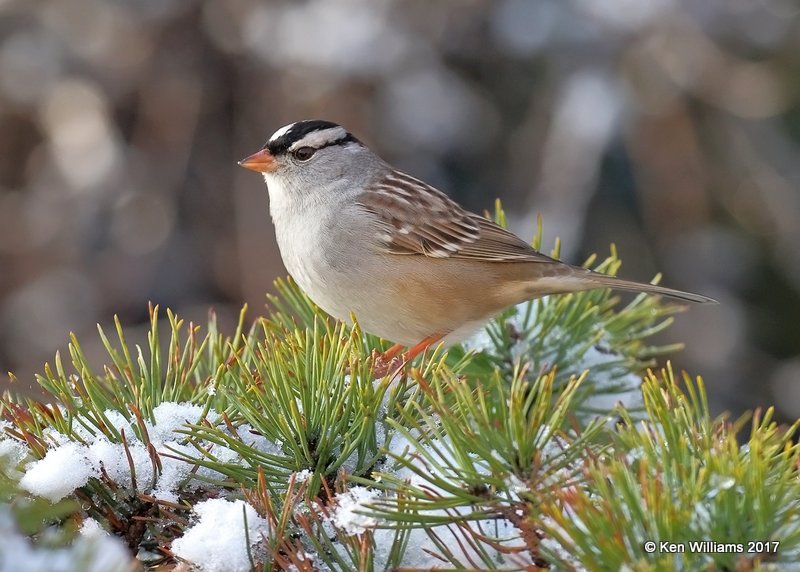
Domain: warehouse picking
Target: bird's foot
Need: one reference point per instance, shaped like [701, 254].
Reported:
[393, 360]
[387, 363]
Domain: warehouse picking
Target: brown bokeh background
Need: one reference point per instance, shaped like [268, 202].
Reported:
[669, 127]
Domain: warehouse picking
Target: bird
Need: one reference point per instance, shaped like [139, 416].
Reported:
[363, 238]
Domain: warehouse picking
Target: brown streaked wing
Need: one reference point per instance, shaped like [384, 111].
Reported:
[498, 244]
[418, 219]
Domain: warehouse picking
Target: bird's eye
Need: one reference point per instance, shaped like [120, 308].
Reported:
[304, 153]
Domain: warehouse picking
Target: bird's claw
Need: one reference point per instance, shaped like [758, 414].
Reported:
[383, 366]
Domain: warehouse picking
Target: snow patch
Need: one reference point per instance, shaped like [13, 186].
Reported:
[12, 452]
[302, 476]
[92, 551]
[91, 529]
[348, 506]
[69, 465]
[59, 472]
[217, 543]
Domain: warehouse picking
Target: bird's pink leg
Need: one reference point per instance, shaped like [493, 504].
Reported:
[422, 346]
[389, 362]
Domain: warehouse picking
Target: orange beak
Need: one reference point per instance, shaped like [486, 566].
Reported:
[262, 162]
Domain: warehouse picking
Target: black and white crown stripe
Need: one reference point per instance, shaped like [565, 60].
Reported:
[311, 133]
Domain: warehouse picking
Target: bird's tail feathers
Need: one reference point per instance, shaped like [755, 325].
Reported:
[578, 279]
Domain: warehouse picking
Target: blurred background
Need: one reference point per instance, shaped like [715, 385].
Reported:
[669, 127]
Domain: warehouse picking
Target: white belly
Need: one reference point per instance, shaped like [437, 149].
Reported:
[329, 266]
[320, 255]
[309, 264]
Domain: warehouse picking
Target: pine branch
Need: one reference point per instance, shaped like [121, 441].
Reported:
[681, 477]
[496, 457]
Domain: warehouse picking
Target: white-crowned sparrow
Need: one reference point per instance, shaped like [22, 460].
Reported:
[413, 266]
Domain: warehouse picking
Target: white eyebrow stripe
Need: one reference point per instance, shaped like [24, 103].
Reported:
[281, 132]
[317, 139]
